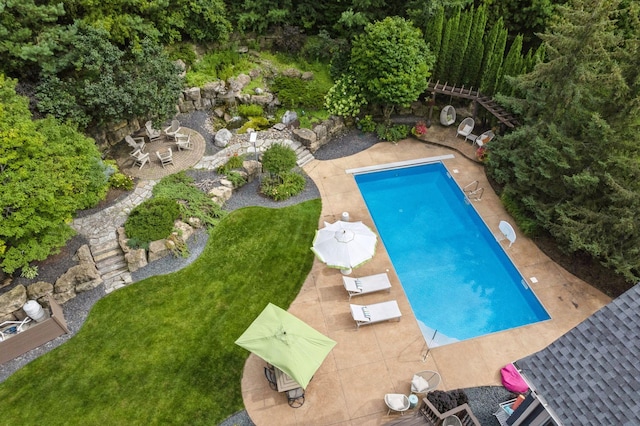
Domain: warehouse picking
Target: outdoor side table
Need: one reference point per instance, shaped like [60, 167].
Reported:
[413, 400]
[471, 137]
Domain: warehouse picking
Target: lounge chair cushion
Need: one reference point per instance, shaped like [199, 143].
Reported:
[512, 380]
[419, 384]
[396, 402]
[467, 129]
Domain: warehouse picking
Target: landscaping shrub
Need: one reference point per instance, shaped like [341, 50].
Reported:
[119, 180]
[283, 186]
[345, 97]
[445, 401]
[152, 220]
[250, 110]
[278, 159]
[294, 92]
[233, 162]
[367, 124]
[255, 123]
[392, 133]
[236, 179]
[220, 64]
[191, 201]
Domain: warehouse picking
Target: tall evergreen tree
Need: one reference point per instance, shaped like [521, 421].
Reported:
[495, 58]
[512, 66]
[573, 169]
[433, 31]
[460, 47]
[475, 49]
[448, 48]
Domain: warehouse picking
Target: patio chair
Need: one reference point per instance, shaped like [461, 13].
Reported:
[270, 374]
[424, 382]
[172, 130]
[165, 157]
[295, 397]
[365, 285]
[508, 231]
[153, 134]
[465, 127]
[135, 143]
[140, 158]
[377, 312]
[397, 402]
[484, 138]
[448, 115]
[183, 142]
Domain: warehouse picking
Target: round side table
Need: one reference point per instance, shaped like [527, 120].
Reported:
[413, 400]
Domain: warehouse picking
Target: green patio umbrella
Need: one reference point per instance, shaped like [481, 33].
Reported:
[286, 342]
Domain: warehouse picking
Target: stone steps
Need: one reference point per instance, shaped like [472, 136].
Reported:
[111, 264]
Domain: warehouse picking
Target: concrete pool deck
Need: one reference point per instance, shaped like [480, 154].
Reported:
[349, 387]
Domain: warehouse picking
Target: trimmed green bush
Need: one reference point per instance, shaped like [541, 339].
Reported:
[152, 220]
[255, 123]
[119, 180]
[367, 124]
[236, 179]
[295, 92]
[283, 186]
[392, 133]
[234, 162]
[250, 110]
[278, 159]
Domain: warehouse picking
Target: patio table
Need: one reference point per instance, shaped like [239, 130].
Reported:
[284, 382]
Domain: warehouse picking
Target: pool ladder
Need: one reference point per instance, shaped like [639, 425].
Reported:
[473, 192]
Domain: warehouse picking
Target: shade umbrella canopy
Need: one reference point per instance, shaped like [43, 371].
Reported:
[286, 342]
[344, 245]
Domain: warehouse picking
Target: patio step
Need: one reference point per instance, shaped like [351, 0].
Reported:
[306, 158]
[111, 264]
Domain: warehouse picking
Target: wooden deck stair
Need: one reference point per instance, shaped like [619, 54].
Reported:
[469, 93]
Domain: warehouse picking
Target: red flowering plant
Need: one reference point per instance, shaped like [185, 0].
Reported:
[420, 129]
[481, 153]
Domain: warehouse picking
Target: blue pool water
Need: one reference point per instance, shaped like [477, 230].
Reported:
[457, 277]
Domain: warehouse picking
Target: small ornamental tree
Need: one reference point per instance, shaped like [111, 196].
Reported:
[391, 63]
[47, 172]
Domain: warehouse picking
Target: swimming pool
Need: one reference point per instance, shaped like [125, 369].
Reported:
[458, 279]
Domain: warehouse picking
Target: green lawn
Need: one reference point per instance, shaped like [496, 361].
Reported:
[161, 351]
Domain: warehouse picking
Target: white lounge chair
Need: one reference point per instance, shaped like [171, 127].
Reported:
[397, 402]
[183, 141]
[370, 314]
[140, 158]
[484, 138]
[424, 381]
[135, 143]
[368, 284]
[466, 127]
[508, 231]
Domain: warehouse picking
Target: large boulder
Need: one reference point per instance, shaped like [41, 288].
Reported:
[222, 138]
[253, 169]
[307, 75]
[136, 259]
[122, 239]
[289, 117]
[220, 194]
[307, 137]
[82, 277]
[213, 89]
[192, 94]
[158, 249]
[39, 290]
[84, 254]
[263, 100]
[184, 230]
[292, 73]
[13, 300]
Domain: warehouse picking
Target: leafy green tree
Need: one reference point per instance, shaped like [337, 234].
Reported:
[391, 62]
[47, 172]
[524, 17]
[572, 170]
[96, 83]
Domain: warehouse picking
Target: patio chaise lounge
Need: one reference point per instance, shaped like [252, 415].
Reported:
[369, 314]
[368, 284]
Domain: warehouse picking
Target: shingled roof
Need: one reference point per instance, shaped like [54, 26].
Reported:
[591, 375]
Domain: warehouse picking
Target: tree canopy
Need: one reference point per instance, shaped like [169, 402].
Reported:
[573, 169]
[391, 62]
[47, 172]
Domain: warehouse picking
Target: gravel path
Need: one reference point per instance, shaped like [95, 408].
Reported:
[483, 400]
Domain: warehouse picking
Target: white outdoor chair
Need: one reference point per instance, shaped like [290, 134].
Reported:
[365, 285]
[152, 134]
[484, 138]
[424, 381]
[397, 402]
[465, 127]
[165, 157]
[172, 131]
[377, 312]
[508, 231]
[140, 158]
[183, 141]
[448, 115]
[135, 143]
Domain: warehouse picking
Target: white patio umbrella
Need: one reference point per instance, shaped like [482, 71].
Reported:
[344, 245]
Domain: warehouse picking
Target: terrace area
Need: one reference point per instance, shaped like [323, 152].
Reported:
[367, 363]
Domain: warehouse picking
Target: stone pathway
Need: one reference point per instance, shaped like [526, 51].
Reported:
[101, 228]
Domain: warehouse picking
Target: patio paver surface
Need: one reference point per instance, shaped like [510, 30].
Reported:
[349, 387]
